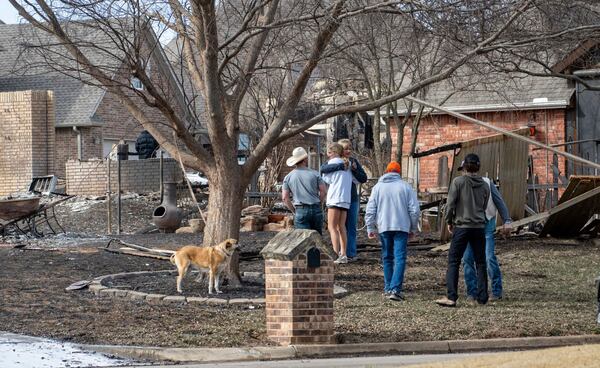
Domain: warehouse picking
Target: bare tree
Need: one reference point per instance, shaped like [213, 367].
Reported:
[230, 47]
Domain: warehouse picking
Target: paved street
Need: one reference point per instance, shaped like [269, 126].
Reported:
[358, 362]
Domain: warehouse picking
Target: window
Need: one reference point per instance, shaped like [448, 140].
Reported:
[137, 84]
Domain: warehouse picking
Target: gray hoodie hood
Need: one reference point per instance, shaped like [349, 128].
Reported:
[392, 206]
[474, 181]
[390, 177]
[467, 200]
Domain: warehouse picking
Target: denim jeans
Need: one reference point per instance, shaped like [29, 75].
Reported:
[460, 239]
[393, 255]
[493, 268]
[309, 217]
[351, 222]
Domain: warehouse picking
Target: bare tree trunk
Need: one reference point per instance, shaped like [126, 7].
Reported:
[377, 167]
[400, 131]
[400, 141]
[415, 130]
[223, 219]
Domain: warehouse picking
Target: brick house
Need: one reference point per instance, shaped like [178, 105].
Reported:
[88, 121]
[559, 112]
[545, 105]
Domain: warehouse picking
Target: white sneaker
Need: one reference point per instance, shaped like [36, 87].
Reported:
[341, 259]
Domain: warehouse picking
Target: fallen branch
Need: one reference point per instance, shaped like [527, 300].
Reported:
[133, 252]
[161, 252]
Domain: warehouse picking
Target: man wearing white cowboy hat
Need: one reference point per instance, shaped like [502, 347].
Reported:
[307, 191]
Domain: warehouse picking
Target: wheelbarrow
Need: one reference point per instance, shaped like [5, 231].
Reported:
[25, 214]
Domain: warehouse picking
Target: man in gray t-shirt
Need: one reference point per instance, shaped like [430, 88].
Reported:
[307, 191]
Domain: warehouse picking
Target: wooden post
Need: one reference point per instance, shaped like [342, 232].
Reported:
[118, 196]
[108, 197]
[161, 176]
[122, 153]
[555, 174]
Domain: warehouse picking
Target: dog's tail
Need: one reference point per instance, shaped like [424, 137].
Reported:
[172, 259]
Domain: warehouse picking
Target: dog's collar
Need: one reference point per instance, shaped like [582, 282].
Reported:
[225, 252]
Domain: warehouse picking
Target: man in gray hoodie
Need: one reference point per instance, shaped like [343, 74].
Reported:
[393, 209]
[465, 215]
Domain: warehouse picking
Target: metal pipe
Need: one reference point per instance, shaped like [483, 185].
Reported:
[161, 176]
[547, 144]
[505, 132]
[587, 73]
[79, 148]
[108, 197]
[570, 143]
[118, 196]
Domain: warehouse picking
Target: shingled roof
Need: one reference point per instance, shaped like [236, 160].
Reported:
[517, 93]
[75, 101]
[506, 92]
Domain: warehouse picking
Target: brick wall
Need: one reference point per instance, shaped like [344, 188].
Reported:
[119, 124]
[299, 301]
[66, 146]
[437, 130]
[138, 176]
[27, 138]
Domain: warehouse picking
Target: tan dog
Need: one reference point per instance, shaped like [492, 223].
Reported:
[214, 259]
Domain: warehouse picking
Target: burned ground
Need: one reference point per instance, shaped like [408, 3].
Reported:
[549, 289]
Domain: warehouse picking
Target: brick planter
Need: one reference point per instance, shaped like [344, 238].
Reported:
[299, 275]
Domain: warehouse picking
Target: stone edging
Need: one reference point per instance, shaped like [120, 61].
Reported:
[97, 286]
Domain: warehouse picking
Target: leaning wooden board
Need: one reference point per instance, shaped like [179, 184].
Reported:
[569, 222]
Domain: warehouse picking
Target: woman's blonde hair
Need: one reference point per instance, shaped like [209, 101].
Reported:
[339, 150]
[336, 148]
[345, 143]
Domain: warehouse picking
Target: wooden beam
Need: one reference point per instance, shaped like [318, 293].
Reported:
[560, 207]
[447, 147]
[161, 252]
[505, 132]
[133, 252]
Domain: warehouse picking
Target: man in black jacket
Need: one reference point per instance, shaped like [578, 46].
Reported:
[465, 215]
[146, 145]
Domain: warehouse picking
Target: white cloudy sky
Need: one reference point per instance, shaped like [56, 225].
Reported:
[8, 14]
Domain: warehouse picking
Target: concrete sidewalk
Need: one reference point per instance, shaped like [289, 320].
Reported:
[323, 351]
[34, 352]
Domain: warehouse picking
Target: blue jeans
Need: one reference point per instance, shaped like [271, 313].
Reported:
[393, 255]
[493, 268]
[309, 217]
[351, 221]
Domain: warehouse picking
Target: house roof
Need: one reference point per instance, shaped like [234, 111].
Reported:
[174, 53]
[523, 92]
[75, 101]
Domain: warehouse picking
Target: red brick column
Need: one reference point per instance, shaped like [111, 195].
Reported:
[299, 301]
